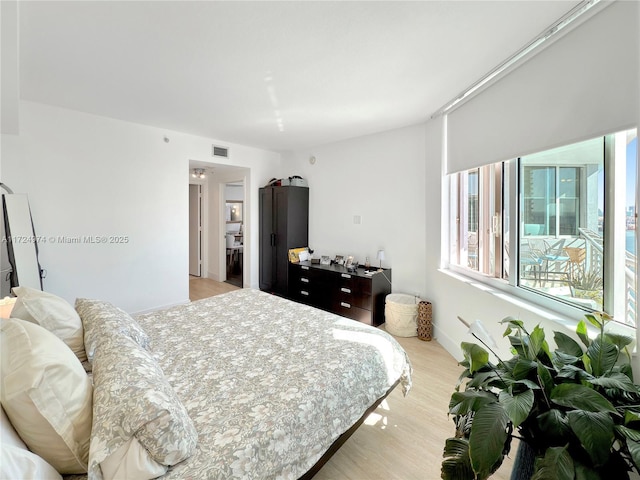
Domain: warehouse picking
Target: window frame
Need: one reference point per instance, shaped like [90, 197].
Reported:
[505, 190]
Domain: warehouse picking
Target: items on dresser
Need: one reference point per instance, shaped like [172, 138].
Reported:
[359, 295]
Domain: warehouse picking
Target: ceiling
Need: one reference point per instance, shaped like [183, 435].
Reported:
[275, 75]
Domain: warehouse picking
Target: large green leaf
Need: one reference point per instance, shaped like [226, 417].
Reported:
[595, 319]
[603, 356]
[487, 439]
[464, 375]
[482, 379]
[553, 424]
[470, 401]
[626, 369]
[631, 416]
[513, 323]
[537, 343]
[595, 432]
[618, 340]
[586, 361]
[457, 464]
[584, 472]
[583, 334]
[477, 356]
[556, 464]
[573, 372]
[615, 380]
[517, 406]
[519, 345]
[560, 359]
[567, 345]
[634, 450]
[629, 433]
[527, 383]
[523, 367]
[579, 397]
[545, 379]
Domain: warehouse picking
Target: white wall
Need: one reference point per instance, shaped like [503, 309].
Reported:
[234, 192]
[380, 178]
[93, 176]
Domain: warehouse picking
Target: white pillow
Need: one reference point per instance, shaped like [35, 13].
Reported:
[47, 395]
[53, 313]
[16, 462]
[8, 434]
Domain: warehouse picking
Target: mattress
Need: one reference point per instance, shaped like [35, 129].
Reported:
[270, 384]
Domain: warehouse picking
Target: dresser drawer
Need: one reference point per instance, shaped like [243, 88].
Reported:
[308, 286]
[354, 297]
[353, 283]
[303, 295]
[345, 309]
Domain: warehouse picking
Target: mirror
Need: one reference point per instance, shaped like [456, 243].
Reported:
[20, 243]
[234, 211]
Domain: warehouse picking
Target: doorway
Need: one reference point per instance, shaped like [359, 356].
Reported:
[234, 231]
[195, 230]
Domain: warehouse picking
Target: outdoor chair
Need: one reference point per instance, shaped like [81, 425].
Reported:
[556, 261]
[530, 262]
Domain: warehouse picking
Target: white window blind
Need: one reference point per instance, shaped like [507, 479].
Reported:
[583, 85]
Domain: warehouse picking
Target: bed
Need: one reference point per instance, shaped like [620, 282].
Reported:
[264, 387]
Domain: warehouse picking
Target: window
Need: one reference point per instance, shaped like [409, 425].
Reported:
[558, 225]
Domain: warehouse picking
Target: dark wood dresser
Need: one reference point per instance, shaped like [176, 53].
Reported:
[354, 295]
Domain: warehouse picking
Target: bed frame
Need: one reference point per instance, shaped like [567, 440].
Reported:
[344, 437]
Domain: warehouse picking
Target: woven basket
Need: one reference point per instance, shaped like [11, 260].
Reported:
[425, 317]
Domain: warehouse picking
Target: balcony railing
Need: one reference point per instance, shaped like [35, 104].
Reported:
[572, 269]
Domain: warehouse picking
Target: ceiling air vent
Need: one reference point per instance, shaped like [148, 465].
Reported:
[220, 152]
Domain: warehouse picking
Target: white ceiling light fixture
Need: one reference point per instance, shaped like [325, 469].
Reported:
[198, 173]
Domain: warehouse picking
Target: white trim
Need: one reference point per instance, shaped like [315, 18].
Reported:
[161, 307]
[518, 297]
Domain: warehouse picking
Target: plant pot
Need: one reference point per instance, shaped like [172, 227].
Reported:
[523, 464]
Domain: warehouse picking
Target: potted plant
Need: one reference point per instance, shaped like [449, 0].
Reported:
[576, 409]
[588, 285]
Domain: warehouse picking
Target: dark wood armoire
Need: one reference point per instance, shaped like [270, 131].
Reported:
[284, 224]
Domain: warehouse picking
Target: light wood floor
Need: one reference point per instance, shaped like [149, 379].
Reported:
[205, 287]
[404, 438]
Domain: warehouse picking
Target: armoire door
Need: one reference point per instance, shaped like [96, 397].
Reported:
[266, 239]
[281, 239]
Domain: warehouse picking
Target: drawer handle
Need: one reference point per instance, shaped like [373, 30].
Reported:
[345, 290]
[304, 267]
[305, 280]
[346, 275]
[345, 305]
[302, 292]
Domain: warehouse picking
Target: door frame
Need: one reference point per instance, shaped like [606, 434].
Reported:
[222, 205]
[204, 225]
[200, 229]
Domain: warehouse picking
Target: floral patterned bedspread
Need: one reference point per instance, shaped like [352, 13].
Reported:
[269, 384]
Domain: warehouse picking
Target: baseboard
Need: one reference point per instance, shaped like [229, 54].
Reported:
[447, 343]
[161, 307]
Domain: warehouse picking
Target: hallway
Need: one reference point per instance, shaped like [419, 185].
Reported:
[200, 288]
